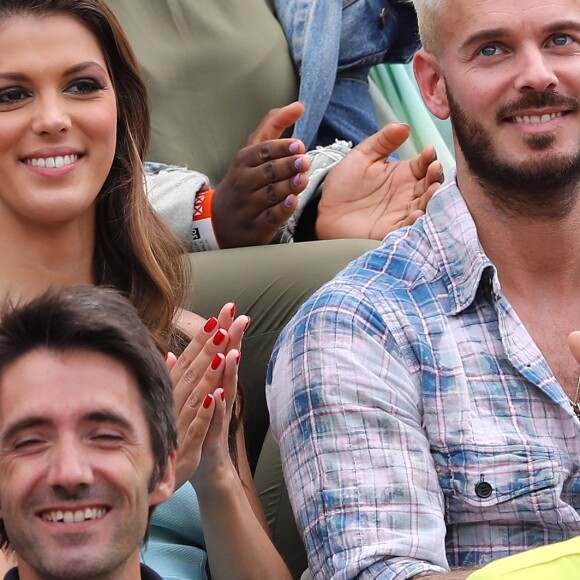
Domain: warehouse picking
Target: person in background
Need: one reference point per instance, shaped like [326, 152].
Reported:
[217, 72]
[334, 44]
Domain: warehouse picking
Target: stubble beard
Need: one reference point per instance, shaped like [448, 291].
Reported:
[545, 187]
[75, 558]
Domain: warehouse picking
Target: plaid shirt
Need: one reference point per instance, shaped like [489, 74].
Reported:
[419, 425]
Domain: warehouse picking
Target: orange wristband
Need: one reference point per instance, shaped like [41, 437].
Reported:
[204, 237]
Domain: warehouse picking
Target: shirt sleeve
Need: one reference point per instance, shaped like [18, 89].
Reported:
[345, 410]
[171, 191]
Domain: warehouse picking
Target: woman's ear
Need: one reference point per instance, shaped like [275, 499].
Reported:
[431, 83]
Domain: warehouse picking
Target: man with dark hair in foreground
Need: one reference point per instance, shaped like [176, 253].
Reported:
[87, 436]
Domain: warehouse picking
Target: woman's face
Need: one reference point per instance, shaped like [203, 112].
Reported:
[58, 121]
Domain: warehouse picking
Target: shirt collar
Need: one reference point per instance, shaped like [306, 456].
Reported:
[453, 235]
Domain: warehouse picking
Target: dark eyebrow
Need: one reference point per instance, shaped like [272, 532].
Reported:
[23, 424]
[562, 25]
[81, 67]
[482, 36]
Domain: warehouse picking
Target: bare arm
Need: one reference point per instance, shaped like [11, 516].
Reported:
[234, 526]
[232, 517]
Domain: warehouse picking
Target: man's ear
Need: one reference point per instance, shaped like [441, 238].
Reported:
[431, 83]
[166, 484]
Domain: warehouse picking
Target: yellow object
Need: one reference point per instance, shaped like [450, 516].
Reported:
[560, 561]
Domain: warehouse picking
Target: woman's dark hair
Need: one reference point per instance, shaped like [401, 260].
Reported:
[134, 251]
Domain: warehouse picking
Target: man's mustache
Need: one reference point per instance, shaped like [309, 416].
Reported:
[535, 100]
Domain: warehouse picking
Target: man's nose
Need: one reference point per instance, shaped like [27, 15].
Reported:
[535, 71]
[70, 466]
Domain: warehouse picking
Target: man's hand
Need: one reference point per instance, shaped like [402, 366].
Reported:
[574, 344]
[258, 194]
[366, 197]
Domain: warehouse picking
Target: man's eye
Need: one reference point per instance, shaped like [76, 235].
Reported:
[28, 443]
[490, 50]
[561, 40]
[107, 437]
[84, 87]
[13, 95]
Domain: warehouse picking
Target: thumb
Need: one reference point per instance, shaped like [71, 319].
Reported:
[574, 344]
[275, 123]
[386, 140]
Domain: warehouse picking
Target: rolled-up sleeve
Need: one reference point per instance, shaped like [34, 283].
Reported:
[346, 412]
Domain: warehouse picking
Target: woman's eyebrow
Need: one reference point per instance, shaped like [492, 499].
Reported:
[80, 67]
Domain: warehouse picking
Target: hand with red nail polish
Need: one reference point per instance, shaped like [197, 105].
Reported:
[259, 192]
[203, 421]
[205, 379]
[208, 365]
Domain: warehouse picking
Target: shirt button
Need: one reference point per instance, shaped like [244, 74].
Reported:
[483, 489]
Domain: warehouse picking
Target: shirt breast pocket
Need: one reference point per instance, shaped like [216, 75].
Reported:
[502, 484]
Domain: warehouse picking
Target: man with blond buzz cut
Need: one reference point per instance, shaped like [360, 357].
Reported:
[425, 401]
[87, 436]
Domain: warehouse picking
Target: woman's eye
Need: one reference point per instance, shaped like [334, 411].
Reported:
[84, 87]
[13, 95]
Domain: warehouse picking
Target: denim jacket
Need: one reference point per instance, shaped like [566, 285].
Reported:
[334, 45]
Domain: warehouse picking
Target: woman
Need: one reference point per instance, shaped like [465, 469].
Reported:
[74, 128]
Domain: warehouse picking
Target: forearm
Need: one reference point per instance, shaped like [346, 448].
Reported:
[336, 393]
[236, 543]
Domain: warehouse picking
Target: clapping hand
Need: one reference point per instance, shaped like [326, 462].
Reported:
[259, 192]
[365, 196]
[205, 388]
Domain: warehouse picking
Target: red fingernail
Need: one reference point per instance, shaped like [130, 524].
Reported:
[247, 324]
[219, 337]
[166, 356]
[233, 310]
[207, 401]
[210, 324]
[217, 359]
[223, 396]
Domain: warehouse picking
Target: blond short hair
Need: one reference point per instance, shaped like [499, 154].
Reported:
[428, 14]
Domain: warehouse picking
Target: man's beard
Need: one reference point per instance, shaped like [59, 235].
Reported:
[546, 186]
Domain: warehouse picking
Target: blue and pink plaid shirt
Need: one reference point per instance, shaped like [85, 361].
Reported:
[419, 425]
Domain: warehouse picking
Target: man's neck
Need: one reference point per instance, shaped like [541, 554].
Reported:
[530, 253]
[538, 265]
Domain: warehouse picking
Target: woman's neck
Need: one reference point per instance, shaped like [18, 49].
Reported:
[34, 259]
